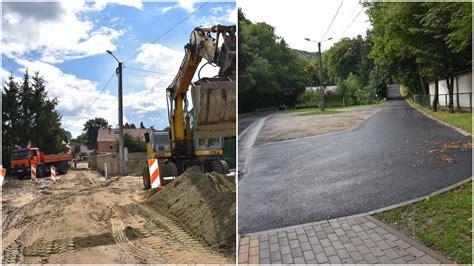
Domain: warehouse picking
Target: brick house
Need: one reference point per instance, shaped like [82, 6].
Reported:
[107, 138]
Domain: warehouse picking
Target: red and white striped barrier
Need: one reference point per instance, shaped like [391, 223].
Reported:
[4, 172]
[53, 173]
[33, 173]
[154, 173]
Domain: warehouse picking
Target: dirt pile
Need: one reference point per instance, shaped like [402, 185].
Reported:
[204, 204]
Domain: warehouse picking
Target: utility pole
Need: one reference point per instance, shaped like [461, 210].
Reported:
[321, 105]
[321, 86]
[120, 116]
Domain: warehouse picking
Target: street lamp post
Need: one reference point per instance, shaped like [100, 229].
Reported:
[120, 116]
[321, 105]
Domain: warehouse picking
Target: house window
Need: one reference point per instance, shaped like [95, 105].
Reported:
[111, 148]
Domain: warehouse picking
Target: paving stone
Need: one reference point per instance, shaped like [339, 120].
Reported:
[317, 228]
[398, 261]
[287, 258]
[292, 236]
[356, 255]
[321, 258]
[300, 231]
[339, 231]
[253, 251]
[272, 234]
[335, 224]
[273, 239]
[363, 249]
[356, 241]
[408, 258]
[344, 239]
[285, 250]
[313, 261]
[254, 243]
[244, 249]
[296, 252]
[302, 238]
[370, 224]
[334, 259]
[376, 251]
[361, 219]
[264, 253]
[400, 252]
[337, 245]
[342, 253]
[402, 244]
[364, 227]
[275, 256]
[245, 240]
[332, 237]
[429, 259]
[325, 243]
[309, 231]
[370, 258]
[264, 261]
[345, 226]
[380, 230]
[281, 234]
[299, 260]
[294, 243]
[244, 258]
[351, 221]
[263, 237]
[376, 237]
[254, 260]
[284, 241]
[362, 235]
[274, 247]
[305, 246]
[264, 245]
[369, 243]
[329, 251]
[313, 240]
[382, 245]
[327, 229]
[351, 233]
[357, 228]
[391, 254]
[350, 247]
[384, 259]
[276, 262]
[321, 235]
[347, 261]
[317, 248]
[308, 255]
[390, 237]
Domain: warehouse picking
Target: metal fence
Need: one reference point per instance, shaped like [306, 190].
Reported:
[461, 101]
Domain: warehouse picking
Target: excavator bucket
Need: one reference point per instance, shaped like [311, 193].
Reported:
[214, 108]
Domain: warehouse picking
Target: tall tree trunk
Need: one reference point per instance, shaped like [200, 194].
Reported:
[436, 96]
[449, 82]
[422, 83]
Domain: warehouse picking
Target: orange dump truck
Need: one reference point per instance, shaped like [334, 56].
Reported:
[22, 159]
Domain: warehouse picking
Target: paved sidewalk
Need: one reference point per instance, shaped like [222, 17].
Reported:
[361, 239]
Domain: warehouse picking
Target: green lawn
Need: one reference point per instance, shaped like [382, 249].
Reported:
[442, 222]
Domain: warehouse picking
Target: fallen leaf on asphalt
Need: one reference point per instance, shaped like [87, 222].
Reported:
[457, 145]
[446, 159]
[433, 151]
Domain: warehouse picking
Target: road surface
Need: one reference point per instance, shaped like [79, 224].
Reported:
[395, 155]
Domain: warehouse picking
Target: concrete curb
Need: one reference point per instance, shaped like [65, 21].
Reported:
[462, 131]
[365, 213]
[412, 242]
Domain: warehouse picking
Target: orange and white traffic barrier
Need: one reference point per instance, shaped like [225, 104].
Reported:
[53, 173]
[4, 172]
[33, 173]
[154, 173]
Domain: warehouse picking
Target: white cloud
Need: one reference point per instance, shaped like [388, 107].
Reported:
[219, 15]
[101, 4]
[57, 36]
[188, 5]
[74, 96]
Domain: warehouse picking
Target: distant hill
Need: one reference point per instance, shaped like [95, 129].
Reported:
[308, 55]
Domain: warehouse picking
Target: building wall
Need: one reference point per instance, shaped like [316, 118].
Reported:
[135, 163]
[462, 85]
[107, 146]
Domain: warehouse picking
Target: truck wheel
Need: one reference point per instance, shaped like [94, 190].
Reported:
[167, 169]
[146, 178]
[225, 167]
[62, 169]
[40, 171]
[20, 176]
[216, 167]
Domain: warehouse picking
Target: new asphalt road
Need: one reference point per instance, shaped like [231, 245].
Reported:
[392, 157]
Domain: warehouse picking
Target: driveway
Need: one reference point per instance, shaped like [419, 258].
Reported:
[395, 155]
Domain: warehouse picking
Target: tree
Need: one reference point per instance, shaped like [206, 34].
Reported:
[91, 130]
[142, 126]
[133, 144]
[127, 125]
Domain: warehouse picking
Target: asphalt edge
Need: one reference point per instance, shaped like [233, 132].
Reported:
[462, 131]
[431, 252]
[370, 213]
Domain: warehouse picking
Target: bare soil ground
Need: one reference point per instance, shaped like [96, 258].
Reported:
[292, 125]
[87, 219]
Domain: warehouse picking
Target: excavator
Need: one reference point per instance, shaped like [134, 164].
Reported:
[195, 137]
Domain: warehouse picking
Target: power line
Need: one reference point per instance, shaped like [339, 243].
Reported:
[150, 71]
[145, 76]
[169, 30]
[335, 15]
[100, 93]
[348, 26]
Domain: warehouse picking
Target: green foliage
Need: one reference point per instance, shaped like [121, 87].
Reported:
[127, 125]
[29, 116]
[91, 130]
[310, 98]
[270, 73]
[134, 144]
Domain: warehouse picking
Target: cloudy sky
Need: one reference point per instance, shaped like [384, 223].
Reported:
[299, 19]
[66, 42]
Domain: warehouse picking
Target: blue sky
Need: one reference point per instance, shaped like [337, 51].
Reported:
[66, 43]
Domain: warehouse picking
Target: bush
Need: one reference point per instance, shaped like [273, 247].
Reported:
[310, 98]
[133, 144]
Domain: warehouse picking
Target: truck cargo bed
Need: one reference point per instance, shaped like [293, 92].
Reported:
[57, 158]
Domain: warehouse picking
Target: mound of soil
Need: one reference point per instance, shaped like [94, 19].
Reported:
[204, 204]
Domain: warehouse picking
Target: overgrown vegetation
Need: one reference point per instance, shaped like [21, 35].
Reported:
[443, 222]
[29, 116]
[133, 144]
